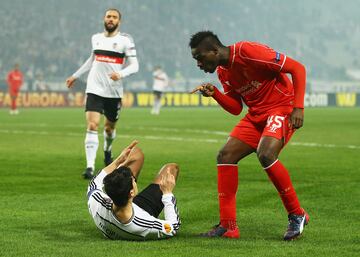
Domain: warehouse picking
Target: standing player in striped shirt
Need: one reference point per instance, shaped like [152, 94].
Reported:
[120, 212]
[256, 75]
[111, 51]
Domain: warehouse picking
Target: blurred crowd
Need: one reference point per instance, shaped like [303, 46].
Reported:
[51, 39]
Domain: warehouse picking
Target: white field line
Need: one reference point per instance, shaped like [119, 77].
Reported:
[198, 131]
[158, 138]
[170, 138]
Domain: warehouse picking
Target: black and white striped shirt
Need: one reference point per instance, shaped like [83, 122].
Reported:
[109, 54]
[142, 226]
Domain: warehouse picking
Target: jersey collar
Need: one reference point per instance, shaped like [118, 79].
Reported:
[231, 58]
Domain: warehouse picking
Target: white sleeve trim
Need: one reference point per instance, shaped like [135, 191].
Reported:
[282, 65]
[233, 58]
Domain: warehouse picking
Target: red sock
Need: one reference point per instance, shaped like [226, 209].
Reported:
[281, 180]
[227, 187]
[13, 104]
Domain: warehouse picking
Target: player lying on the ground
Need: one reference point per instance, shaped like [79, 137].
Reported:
[120, 212]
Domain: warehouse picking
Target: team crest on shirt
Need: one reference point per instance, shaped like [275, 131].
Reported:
[277, 57]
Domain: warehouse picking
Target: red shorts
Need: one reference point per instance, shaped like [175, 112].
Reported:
[252, 127]
[13, 92]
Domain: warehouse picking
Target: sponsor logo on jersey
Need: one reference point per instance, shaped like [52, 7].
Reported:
[249, 88]
[109, 59]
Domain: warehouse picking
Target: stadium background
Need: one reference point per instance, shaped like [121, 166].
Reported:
[42, 197]
[51, 39]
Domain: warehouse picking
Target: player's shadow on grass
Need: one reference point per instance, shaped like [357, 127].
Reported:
[72, 231]
[84, 230]
[250, 232]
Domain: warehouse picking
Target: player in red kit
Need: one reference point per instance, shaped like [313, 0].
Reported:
[14, 80]
[256, 75]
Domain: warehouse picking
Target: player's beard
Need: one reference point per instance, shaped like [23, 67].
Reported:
[110, 29]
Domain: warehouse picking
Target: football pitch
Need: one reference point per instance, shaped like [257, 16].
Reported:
[43, 196]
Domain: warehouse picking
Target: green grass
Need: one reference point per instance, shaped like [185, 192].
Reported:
[43, 204]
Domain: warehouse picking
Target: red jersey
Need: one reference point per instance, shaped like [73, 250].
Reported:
[254, 73]
[15, 79]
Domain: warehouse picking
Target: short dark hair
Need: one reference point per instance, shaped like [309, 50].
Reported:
[200, 36]
[117, 185]
[114, 9]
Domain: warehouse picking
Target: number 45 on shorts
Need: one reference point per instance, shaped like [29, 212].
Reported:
[274, 122]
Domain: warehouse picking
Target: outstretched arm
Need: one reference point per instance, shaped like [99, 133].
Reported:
[84, 68]
[228, 102]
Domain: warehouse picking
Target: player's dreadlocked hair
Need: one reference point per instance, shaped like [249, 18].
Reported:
[198, 37]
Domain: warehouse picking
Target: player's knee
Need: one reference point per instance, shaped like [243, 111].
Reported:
[92, 126]
[220, 156]
[266, 157]
[173, 168]
[224, 157]
[108, 130]
[137, 153]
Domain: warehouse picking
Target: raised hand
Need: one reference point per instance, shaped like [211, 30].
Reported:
[124, 155]
[168, 182]
[122, 159]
